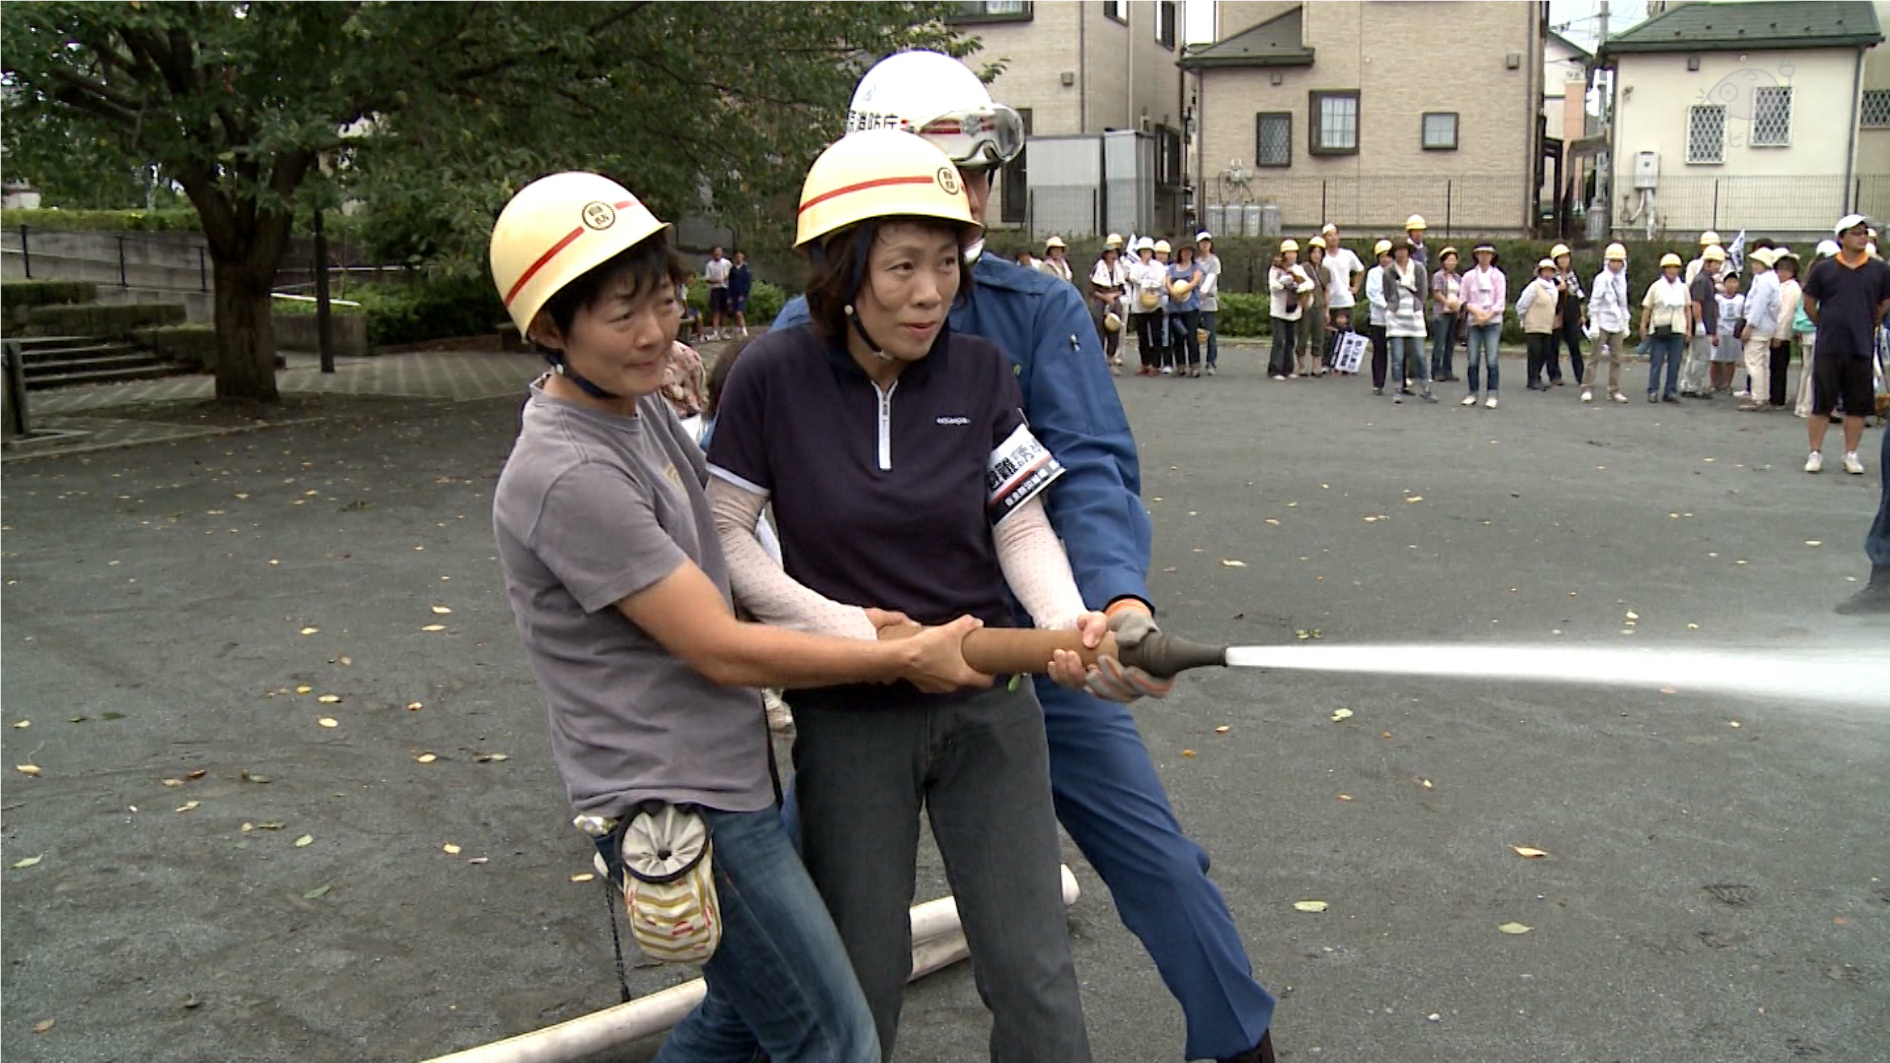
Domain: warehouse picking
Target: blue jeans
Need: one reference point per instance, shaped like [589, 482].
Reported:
[1483, 342]
[1665, 351]
[1214, 337]
[781, 976]
[1443, 343]
[1407, 360]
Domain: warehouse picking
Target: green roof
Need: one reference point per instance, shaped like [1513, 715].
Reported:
[1279, 41]
[1710, 27]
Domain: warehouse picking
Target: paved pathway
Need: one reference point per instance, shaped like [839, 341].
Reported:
[69, 420]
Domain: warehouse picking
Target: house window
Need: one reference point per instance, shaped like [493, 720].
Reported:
[1876, 110]
[1772, 116]
[992, 11]
[1440, 131]
[1014, 178]
[1706, 133]
[1334, 123]
[1117, 10]
[1165, 24]
[1273, 139]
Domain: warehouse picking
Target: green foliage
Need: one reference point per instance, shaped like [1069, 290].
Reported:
[168, 220]
[1242, 314]
[19, 296]
[194, 345]
[430, 309]
[434, 114]
[101, 319]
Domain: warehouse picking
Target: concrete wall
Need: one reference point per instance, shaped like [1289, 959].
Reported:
[1391, 53]
[1800, 187]
[297, 332]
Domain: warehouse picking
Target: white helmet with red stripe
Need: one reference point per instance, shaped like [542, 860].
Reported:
[879, 173]
[557, 229]
[939, 98]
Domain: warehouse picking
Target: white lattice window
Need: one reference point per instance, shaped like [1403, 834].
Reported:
[1772, 116]
[1876, 110]
[1706, 133]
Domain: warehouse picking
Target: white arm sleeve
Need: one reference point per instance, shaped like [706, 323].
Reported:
[1036, 567]
[759, 582]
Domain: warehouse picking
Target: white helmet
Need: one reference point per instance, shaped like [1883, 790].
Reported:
[939, 98]
[1828, 248]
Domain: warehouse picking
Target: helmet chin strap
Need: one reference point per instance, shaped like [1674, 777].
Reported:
[853, 318]
[556, 358]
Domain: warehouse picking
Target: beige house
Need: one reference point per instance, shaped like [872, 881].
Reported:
[1751, 116]
[1366, 111]
[1081, 69]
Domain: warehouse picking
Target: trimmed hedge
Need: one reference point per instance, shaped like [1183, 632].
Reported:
[100, 319]
[167, 220]
[19, 295]
[194, 345]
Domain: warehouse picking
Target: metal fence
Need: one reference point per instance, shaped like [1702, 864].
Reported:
[1783, 204]
[1483, 204]
[162, 262]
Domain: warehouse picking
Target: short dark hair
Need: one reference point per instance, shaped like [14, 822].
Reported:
[647, 265]
[840, 266]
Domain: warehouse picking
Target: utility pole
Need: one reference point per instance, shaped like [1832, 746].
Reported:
[1602, 29]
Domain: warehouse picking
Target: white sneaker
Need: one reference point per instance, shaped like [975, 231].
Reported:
[1587, 395]
[1852, 465]
[1277, 376]
[1469, 400]
[1397, 398]
[1814, 463]
[1490, 402]
[744, 332]
[1169, 370]
[1618, 397]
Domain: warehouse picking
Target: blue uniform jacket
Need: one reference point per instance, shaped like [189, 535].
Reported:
[1071, 403]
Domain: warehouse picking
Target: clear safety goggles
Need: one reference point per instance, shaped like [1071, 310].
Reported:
[984, 137]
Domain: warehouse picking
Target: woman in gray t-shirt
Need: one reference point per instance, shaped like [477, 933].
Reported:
[620, 592]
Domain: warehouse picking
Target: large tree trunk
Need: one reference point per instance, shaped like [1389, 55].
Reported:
[246, 337]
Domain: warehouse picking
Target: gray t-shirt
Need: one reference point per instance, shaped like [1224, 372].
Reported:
[592, 508]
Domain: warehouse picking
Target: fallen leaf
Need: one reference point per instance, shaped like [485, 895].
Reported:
[247, 827]
[478, 860]
[28, 862]
[328, 721]
[303, 842]
[272, 825]
[1371, 520]
[1310, 906]
[188, 805]
[1187, 752]
[304, 689]
[1222, 729]
[1814, 542]
[1528, 852]
[434, 627]
[310, 630]
[1345, 797]
[1234, 564]
[22, 725]
[197, 774]
[1693, 627]
[1518, 928]
[1341, 714]
[27, 769]
[43, 1025]
[488, 758]
[584, 876]
[414, 706]
[1632, 615]
[1415, 498]
[1426, 783]
[1734, 724]
[250, 777]
[426, 758]
[173, 782]
[330, 699]
[450, 849]
[344, 659]
[317, 893]
[1273, 522]
[441, 610]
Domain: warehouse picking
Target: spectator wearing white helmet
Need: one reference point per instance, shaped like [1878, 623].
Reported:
[622, 600]
[1571, 316]
[1210, 291]
[1147, 278]
[1609, 309]
[1703, 290]
[1287, 284]
[1375, 317]
[1108, 793]
[1310, 337]
[1666, 320]
[1762, 313]
[1848, 296]
[1790, 298]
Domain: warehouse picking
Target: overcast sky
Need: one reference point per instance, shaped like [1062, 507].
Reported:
[1574, 19]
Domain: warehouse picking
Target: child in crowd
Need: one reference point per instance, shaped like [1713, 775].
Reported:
[1732, 308]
